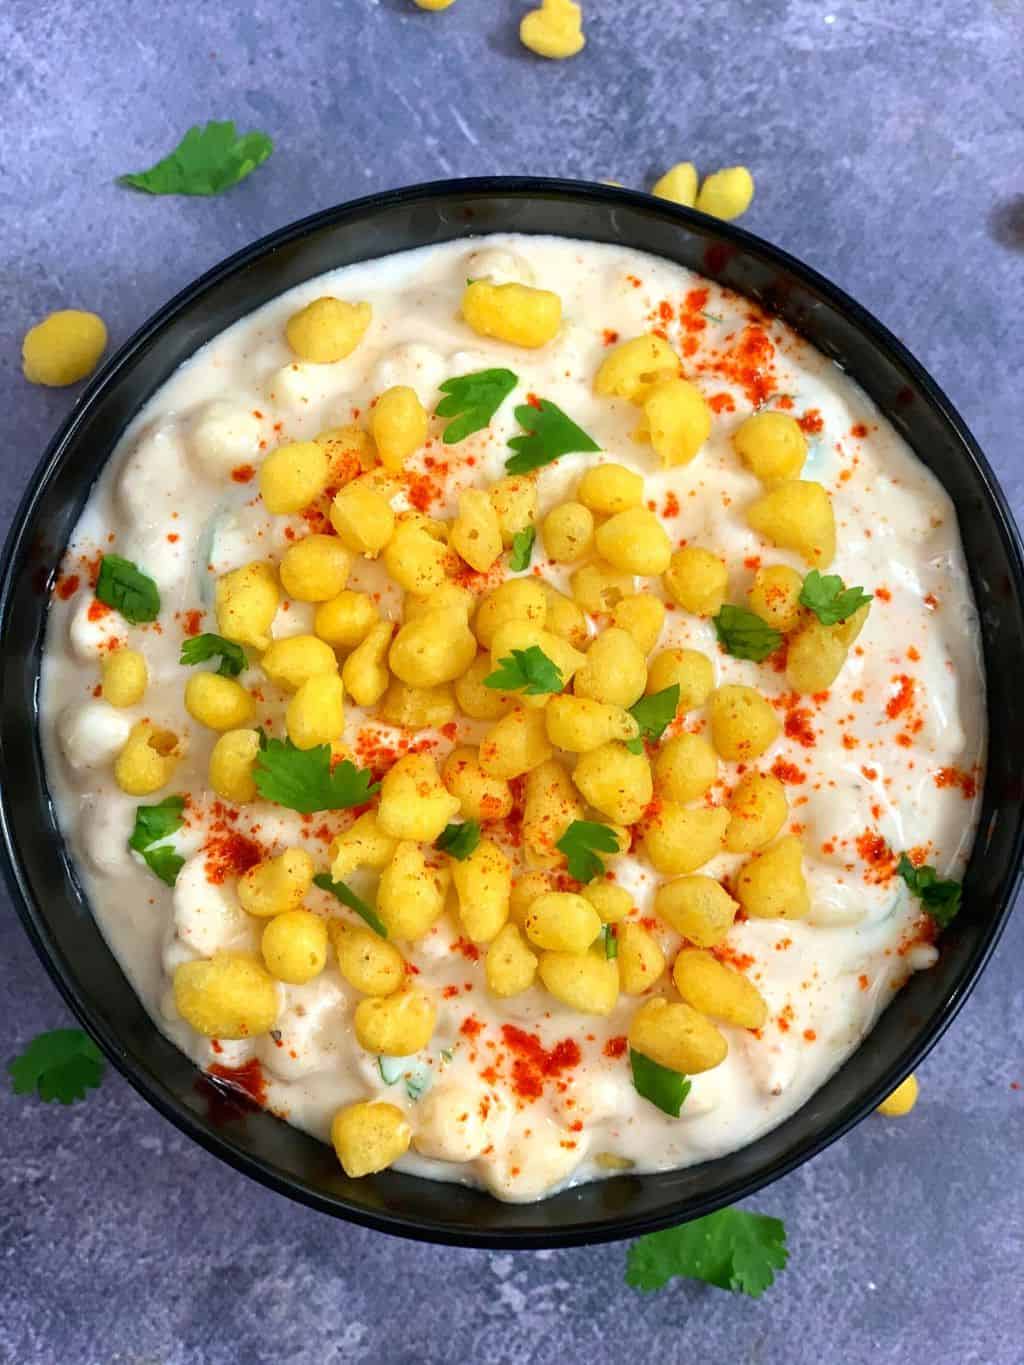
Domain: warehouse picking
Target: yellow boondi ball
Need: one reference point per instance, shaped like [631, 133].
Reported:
[678, 184]
[901, 1101]
[63, 348]
[726, 194]
[433, 4]
[554, 31]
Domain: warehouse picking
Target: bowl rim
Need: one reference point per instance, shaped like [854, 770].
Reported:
[613, 1227]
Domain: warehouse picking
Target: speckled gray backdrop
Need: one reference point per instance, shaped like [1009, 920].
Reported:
[886, 140]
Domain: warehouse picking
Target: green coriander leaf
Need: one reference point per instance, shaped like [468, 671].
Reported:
[208, 160]
[664, 1088]
[579, 843]
[829, 599]
[458, 841]
[60, 1065]
[472, 400]
[348, 897]
[522, 549]
[123, 586]
[202, 647]
[653, 714]
[526, 670]
[611, 942]
[711, 317]
[731, 1249]
[303, 779]
[549, 434]
[940, 899]
[153, 824]
[165, 862]
[156, 822]
[744, 635]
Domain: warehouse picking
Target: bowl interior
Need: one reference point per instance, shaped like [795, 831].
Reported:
[51, 899]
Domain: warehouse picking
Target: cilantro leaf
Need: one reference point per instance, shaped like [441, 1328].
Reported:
[60, 1065]
[156, 822]
[123, 586]
[202, 647]
[940, 899]
[611, 942]
[458, 841]
[348, 897]
[526, 670]
[549, 434]
[731, 1249]
[829, 599]
[664, 1088]
[208, 160]
[744, 635]
[472, 400]
[522, 549]
[653, 714]
[153, 824]
[303, 779]
[579, 842]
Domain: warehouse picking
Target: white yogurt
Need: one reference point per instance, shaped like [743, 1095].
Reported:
[893, 754]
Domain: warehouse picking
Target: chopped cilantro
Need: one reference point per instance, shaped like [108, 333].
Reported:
[60, 1065]
[581, 843]
[303, 779]
[744, 635]
[653, 714]
[472, 400]
[208, 160]
[348, 897]
[829, 599]
[549, 434]
[731, 1249]
[152, 825]
[199, 648]
[522, 549]
[664, 1088]
[123, 586]
[940, 899]
[526, 670]
[458, 841]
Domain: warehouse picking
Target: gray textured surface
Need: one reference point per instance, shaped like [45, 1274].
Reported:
[885, 137]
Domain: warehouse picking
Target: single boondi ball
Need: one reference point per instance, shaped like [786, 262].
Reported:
[63, 348]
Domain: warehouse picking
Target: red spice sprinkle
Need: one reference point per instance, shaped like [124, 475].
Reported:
[903, 699]
[863, 982]
[192, 622]
[883, 594]
[788, 772]
[533, 400]
[67, 587]
[671, 505]
[616, 1047]
[468, 950]
[248, 1078]
[609, 337]
[811, 422]
[931, 601]
[471, 1027]
[97, 610]
[729, 955]
[229, 854]
[243, 473]
[798, 726]
[449, 991]
[722, 402]
[859, 430]
[956, 777]
[533, 1064]
[173, 537]
[809, 1035]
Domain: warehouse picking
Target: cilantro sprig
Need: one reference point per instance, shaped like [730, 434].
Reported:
[939, 899]
[199, 648]
[304, 780]
[549, 434]
[472, 400]
[123, 586]
[829, 598]
[653, 714]
[731, 1249]
[459, 841]
[60, 1065]
[744, 635]
[581, 843]
[526, 670]
[610, 941]
[209, 159]
[153, 824]
[522, 549]
[348, 897]
[664, 1088]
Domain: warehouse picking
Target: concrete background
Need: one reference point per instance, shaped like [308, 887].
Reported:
[886, 139]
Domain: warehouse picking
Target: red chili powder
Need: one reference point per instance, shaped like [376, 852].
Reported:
[903, 699]
[192, 622]
[248, 1078]
[533, 1064]
[97, 610]
[798, 726]
[788, 773]
[811, 422]
[956, 777]
[616, 1047]
[243, 473]
[68, 586]
[229, 854]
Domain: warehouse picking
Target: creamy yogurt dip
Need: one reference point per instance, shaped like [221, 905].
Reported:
[525, 1095]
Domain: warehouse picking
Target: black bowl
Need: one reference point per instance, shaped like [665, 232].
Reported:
[50, 898]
